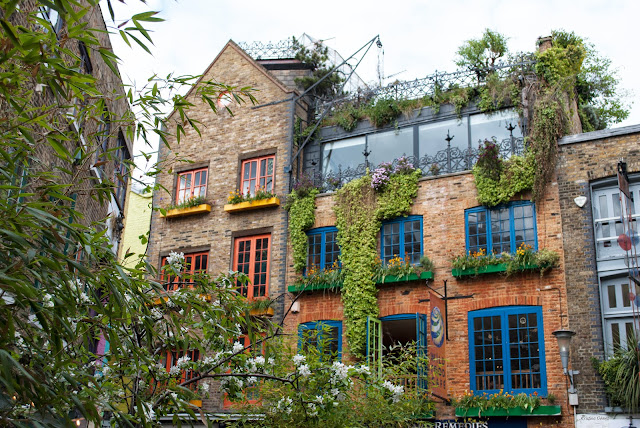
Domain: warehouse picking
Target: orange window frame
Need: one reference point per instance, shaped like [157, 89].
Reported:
[193, 263]
[256, 174]
[251, 255]
[191, 184]
[171, 358]
[251, 391]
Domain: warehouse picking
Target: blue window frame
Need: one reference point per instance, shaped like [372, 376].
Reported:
[506, 350]
[325, 336]
[402, 237]
[323, 250]
[501, 229]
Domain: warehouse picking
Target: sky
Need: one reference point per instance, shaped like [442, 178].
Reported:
[418, 37]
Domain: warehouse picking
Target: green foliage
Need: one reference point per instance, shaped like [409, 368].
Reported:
[236, 197]
[482, 53]
[317, 59]
[334, 395]
[498, 400]
[550, 122]
[358, 227]
[359, 211]
[301, 206]
[620, 374]
[189, 203]
[578, 67]
[525, 257]
[396, 198]
[498, 181]
[382, 112]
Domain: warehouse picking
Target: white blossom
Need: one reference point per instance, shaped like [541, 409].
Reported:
[175, 260]
[48, 301]
[252, 380]
[284, 405]
[237, 347]
[174, 370]
[259, 360]
[313, 411]
[149, 414]
[183, 361]
[174, 396]
[396, 390]
[304, 370]
[271, 361]
[204, 387]
[83, 298]
[299, 359]
[363, 370]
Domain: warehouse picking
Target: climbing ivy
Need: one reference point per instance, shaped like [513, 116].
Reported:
[301, 206]
[360, 210]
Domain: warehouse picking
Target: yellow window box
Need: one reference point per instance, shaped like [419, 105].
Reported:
[252, 205]
[183, 212]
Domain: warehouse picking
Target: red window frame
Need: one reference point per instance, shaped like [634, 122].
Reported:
[252, 258]
[191, 184]
[255, 175]
[251, 391]
[193, 263]
[170, 359]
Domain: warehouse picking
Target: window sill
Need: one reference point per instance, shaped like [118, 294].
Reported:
[502, 267]
[252, 205]
[475, 412]
[295, 288]
[183, 212]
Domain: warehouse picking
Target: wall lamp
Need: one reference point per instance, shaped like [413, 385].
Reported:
[564, 341]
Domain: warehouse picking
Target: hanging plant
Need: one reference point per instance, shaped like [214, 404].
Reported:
[497, 180]
[361, 205]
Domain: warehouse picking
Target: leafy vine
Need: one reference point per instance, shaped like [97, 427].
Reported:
[301, 206]
[361, 205]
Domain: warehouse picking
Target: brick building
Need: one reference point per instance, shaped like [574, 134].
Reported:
[498, 328]
[99, 146]
[597, 276]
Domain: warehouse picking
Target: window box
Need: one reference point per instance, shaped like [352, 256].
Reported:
[475, 412]
[294, 288]
[261, 312]
[196, 403]
[183, 212]
[252, 205]
[501, 267]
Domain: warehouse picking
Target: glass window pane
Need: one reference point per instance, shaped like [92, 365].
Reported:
[388, 146]
[488, 126]
[432, 143]
[342, 154]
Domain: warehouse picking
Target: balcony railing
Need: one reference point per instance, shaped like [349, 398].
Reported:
[447, 161]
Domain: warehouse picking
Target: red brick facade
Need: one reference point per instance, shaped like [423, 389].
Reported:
[442, 202]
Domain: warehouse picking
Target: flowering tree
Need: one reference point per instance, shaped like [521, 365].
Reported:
[62, 291]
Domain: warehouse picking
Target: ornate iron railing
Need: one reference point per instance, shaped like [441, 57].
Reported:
[418, 88]
[282, 49]
[447, 161]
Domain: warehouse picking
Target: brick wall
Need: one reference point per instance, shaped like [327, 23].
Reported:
[225, 141]
[583, 159]
[442, 202]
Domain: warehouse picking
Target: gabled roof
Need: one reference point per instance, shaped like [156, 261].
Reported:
[232, 45]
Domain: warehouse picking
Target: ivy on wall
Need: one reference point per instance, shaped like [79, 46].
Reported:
[361, 206]
[301, 206]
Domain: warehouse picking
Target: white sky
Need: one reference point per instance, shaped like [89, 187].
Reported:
[418, 37]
